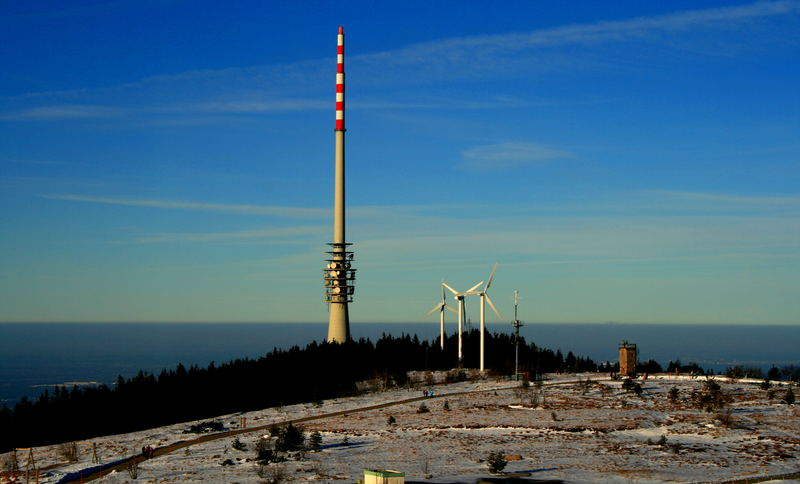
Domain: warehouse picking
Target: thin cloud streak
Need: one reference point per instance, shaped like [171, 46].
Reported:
[356, 212]
[288, 212]
[283, 234]
[462, 50]
[484, 55]
[60, 112]
[721, 197]
[509, 155]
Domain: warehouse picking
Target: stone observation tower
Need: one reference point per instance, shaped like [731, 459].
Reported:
[627, 359]
[338, 274]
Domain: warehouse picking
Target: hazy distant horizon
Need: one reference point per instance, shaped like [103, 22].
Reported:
[447, 323]
[45, 354]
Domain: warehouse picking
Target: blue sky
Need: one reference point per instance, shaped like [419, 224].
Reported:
[173, 160]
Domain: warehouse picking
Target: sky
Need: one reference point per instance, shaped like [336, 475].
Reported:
[621, 161]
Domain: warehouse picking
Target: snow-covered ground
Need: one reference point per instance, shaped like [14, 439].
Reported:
[563, 430]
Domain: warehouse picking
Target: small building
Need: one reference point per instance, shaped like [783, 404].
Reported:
[383, 477]
[627, 359]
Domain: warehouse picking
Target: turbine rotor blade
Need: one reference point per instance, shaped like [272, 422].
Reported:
[455, 293]
[491, 277]
[450, 308]
[488, 299]
[473, 287]
[438, 307]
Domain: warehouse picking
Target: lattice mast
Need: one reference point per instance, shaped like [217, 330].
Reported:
[516, 324]
[339, 276]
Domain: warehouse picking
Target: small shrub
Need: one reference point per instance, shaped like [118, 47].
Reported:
[454, 376]
[238, 444]
[674, 394]
[496, 462]
[446, 406]
[771, 394]
[627, 385]
[788, 398]
[555, 417]
[227, 462]
[766, 384]
[315, 441]
[662, 441]
[423, 408]
[265, 452]
[713, 398]
[637, 389]
[271, 474]
[712, 386]
[391, 420]
[725, 418]
[133, 468]
[289, 438]
[205, 427]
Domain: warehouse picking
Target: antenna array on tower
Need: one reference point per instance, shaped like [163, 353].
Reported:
[339, 275]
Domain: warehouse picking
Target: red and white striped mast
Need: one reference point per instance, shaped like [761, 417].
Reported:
[339, 276]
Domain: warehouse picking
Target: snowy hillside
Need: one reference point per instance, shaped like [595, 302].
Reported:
[564, 430]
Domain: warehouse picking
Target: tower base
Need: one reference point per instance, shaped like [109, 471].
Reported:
[338, 323]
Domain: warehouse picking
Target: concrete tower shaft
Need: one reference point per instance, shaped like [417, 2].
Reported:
[339, 276]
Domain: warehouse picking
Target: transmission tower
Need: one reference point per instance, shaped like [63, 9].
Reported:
[516, 324]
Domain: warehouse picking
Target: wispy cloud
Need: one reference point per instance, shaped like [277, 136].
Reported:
[242, 89]
[275, 235]
[42, 162]
[509, 155]
[739, 199]
[487, 52]
[287, 212]
[248, 106]
[362, 212]
[60, 112]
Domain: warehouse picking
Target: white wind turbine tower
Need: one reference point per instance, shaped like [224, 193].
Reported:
[441, 307]
[484, 299]
[459, 296]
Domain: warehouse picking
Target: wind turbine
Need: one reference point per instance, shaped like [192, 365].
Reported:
[484, 299]
[441, 307]
[459, 296]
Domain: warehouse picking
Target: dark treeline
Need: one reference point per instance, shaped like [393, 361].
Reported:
[282, 377]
